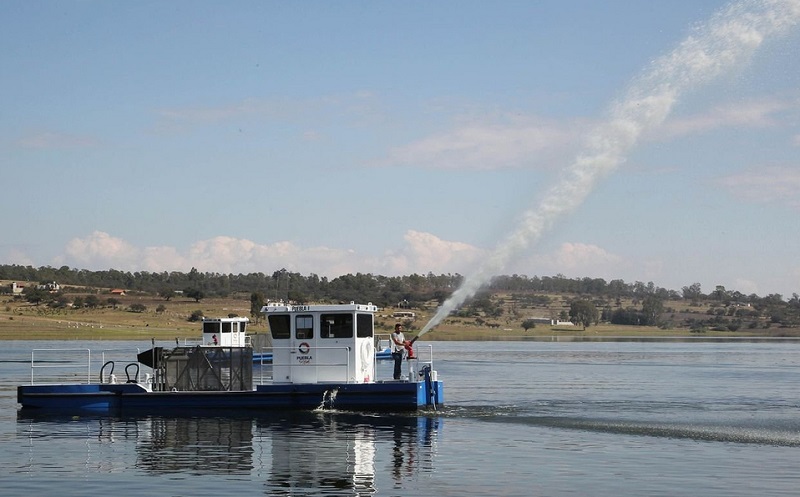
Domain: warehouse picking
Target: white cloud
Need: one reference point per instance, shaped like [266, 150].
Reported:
[493, 142]
[16, 256]
[746, 286]
[487, 146]
[157, 259]
[575, 260]
[769, 184]
[578, 257]
[425, 252]
[750, 114]
[101, 250]
[422, 252]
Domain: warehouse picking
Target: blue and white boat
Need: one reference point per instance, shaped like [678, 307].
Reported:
[323, 356]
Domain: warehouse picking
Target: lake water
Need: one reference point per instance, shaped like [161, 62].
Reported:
[522, 419]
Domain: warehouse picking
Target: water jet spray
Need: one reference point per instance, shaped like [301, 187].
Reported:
[725, 41]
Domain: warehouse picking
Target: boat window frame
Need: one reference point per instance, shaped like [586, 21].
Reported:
[306, 331]
[365, 325]
[341, 329]
[280, 326]
[211, 327]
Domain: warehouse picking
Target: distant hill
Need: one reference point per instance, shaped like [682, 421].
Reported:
[151, 303]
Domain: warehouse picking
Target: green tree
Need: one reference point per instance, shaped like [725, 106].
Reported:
[583, 312]
[256, 303]
[652, 309]
[194, 293]
[297, 297]
[528, 324]
[35, 295]
[692, 292]
[60, 302]
[137, 307]
[196, 316]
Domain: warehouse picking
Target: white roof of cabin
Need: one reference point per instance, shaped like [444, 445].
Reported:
[275, 308]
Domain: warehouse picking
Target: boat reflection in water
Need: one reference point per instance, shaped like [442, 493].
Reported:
[195, 446]
[295, 452]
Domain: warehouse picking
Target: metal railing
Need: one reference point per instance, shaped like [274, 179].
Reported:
[423, 357]
[419, 362]
[58, 365]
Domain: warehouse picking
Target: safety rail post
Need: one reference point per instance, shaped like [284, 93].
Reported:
[103, 356]
[261, 363]
[430, 356]
[35, 366]
[419, 360]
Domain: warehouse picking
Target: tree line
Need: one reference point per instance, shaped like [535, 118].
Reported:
[591, 300]
[381, 290]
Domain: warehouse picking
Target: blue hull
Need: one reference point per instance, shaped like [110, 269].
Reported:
[116, 398]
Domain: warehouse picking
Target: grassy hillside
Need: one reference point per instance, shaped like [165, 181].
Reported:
[166, 320]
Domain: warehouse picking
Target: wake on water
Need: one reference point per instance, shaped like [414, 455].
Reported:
[728, 39]
[700, 432]
[775, 432]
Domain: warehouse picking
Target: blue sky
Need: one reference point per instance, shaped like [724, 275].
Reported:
[389, 138]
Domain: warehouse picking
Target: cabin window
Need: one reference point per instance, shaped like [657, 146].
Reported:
[336, 326]
[363, 325]
[304, 327]
[279, 326]
[211, 327]
[226, 327]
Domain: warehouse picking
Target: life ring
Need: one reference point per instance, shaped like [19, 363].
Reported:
[367, 358]
[304, 348]
[366, 353]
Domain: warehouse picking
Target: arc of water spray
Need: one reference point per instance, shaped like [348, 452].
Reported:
[729, 38]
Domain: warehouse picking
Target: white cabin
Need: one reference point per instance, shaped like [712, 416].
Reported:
[225, 332]
[322, 343]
